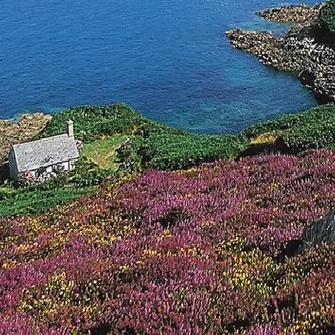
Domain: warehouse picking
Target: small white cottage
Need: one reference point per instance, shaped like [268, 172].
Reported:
[42, 157]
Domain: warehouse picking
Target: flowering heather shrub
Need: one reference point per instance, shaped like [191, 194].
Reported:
[266, 329]
[190, 252]
[21, 325]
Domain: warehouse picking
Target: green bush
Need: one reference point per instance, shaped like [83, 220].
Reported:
[6, 192]
[169, 151]
[93, 122]
[129, 154]
[327, 16]
[29, 201]
[314, 128]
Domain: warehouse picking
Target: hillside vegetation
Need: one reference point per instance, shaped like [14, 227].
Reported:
[156, 145]
[151, 144]
[187, 252]
[36, 200]
[294, 133]
[118, 141]
[93, 122]
[327, 16]
[173, 152]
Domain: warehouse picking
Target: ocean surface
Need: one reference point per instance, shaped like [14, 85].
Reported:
[168, 59]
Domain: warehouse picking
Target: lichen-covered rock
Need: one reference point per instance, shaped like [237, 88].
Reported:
[320, 231]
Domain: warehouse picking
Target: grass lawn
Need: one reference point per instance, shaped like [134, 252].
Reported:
[102, 152]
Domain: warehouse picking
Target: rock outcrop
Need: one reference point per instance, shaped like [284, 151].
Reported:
[25, 129]
[301, 14]
[300, 51]
[320, 231]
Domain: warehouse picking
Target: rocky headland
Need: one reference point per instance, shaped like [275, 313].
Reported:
[304, 50]
[300, 14]
[25, 129]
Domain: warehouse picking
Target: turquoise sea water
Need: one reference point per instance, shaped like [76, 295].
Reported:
[169, 59]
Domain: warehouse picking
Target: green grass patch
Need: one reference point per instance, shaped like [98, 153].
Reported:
[102, 152]
[6, 191]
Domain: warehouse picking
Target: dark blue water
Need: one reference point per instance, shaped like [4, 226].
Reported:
[169, 59]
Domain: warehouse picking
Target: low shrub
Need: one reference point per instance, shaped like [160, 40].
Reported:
[39, 200]
[129, 154]
[93, 122]
[311, 129]
[171, 152]
[327, 16]
[187, 252]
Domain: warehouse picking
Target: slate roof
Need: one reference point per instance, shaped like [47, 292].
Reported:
[45, 152]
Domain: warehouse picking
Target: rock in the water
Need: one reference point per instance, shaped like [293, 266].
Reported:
[304, 50]
[320, 231]
[301, 14]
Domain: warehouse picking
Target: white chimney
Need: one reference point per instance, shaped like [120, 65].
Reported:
[69, 128]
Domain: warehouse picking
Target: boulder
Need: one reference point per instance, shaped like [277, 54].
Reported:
[320, 231]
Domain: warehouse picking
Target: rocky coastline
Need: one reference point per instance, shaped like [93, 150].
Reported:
[303, 51]
[28, 126]
[300, 14]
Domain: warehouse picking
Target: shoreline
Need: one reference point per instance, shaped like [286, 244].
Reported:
[298, 14]
[297, 52]
[302, 51]
[152, 229]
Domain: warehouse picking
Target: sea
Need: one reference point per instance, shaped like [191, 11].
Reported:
[168, 59]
